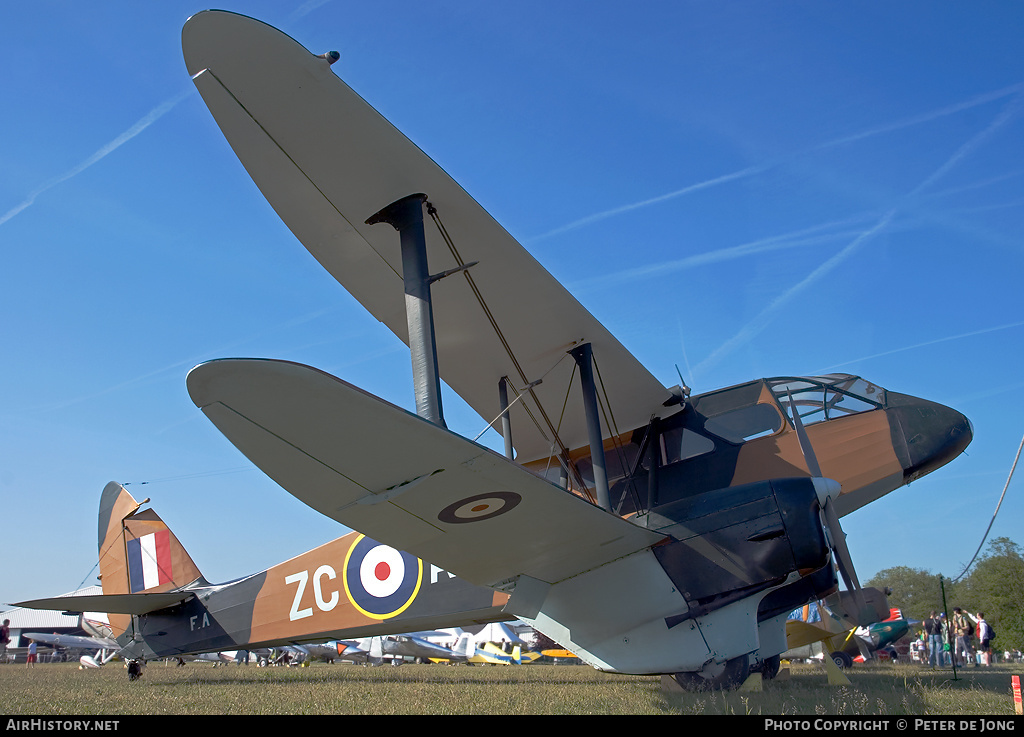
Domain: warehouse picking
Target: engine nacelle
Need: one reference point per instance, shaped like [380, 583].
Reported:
[732, 542]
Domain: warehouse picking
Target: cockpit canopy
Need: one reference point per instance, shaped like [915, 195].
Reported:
[827, 397]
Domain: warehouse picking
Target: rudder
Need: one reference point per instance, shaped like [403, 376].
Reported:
[137, 551]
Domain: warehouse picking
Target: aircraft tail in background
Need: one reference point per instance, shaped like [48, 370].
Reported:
[465, 646]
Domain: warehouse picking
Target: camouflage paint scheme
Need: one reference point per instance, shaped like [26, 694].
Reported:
[870, 453]
[313, 597]
[318, 595]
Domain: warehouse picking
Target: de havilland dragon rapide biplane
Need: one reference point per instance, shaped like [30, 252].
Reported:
[644, 529]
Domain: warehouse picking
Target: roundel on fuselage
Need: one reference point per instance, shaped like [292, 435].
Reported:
[380, 581]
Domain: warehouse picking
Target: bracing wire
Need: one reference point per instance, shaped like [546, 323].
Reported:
[435, 216]
[87, 575]
[992, 521]
[189, 476]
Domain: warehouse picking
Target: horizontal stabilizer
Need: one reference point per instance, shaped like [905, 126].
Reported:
[110, 603]
[73, 641]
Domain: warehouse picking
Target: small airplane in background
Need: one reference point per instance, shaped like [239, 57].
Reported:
[878, 640]
[105, 647]
[667, 533]
[494, 644]
[557, 654]
[397, 648]
[815, 631]
[492, 653]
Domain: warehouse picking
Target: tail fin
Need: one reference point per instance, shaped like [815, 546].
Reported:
[465, 646]
[137, 551]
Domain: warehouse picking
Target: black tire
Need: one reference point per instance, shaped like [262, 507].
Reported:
[843, 660]
[735, 673]
[770, 667]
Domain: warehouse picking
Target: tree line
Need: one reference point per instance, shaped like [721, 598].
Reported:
[995, 586]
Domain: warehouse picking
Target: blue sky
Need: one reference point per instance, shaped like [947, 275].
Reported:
[743, 189]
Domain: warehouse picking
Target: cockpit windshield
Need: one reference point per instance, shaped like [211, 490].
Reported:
[820, 398]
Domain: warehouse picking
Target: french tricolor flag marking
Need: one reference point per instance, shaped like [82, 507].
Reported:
[149, 560]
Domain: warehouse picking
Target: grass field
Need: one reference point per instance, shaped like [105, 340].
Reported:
[198, 688]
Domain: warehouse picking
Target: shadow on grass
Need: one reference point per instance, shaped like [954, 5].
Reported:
[874, 689]
[412, 674]
[534, 689]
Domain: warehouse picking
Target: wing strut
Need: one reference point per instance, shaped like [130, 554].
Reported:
[406, 216]
[506, 422]
[584, 356]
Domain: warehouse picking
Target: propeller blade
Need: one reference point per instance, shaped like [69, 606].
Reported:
[844, 561]
[863, 647]
[805, 443]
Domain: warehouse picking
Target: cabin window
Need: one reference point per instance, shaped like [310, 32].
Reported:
[745, 423]
[680, 444]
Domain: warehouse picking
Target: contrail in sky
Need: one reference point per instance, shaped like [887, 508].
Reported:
[752, 170]
[749, 171]
[762, 320]
[810, 236]
[306, 8]
[927, 117]
[128, 135]
[160, 373]
[926, 343]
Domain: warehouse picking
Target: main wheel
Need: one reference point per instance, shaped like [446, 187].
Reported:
[134, 670]
[732, 675]
[843, 660]
[770, 667]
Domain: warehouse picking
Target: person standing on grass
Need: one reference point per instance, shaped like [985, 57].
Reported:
[5, 639]
[963, 630]
[984, 640]
[933, 629]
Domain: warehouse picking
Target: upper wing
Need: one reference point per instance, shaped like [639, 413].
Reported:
[327, 161]
[404, 481]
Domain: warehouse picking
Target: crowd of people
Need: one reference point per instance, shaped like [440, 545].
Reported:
[966, 639]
